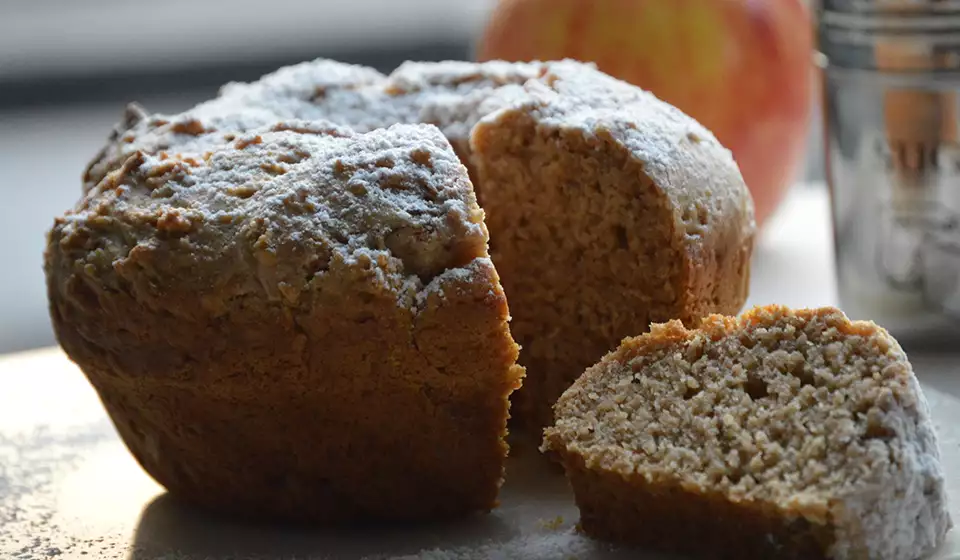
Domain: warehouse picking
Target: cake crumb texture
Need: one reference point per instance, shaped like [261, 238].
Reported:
[778, 434]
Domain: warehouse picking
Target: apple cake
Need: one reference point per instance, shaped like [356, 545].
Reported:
[295, 322]
[607, 208]
[779, 434]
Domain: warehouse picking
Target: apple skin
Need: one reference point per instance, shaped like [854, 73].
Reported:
[743, 68]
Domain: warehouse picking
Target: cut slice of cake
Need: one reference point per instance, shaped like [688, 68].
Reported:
[608, 210]
[778, 434]
[294, 322]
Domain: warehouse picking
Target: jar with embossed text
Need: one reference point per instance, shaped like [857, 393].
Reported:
[891, 79]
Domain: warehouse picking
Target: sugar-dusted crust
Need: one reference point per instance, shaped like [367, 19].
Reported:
[778, 434]
[448, 95]
[703, 214]
[590, 256]
[299, 322]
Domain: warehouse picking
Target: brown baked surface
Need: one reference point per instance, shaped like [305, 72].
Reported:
[295, 322]
[778, 434]
[607, 208]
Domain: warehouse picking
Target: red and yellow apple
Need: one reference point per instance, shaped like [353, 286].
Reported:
[741, 67]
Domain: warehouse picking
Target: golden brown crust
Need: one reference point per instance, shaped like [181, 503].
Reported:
[311, 415]
[672, 519]
[295, 325]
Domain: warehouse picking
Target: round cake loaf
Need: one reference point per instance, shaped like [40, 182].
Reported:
[779, 434]
[608, 209]
[297, 321]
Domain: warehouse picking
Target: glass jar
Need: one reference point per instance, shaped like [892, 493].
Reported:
[891, 77]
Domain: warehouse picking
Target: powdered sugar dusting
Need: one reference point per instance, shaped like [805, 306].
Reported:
[293, 200]
[446, 94]
[31, 467]
[453, 279]
[907, 515]
[684, 159]
[540, 545]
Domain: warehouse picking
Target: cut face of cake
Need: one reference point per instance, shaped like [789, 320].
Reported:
[297, 321]
[608, 209]
[779, 434]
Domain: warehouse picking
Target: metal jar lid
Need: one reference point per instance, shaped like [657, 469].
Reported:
[891, 35]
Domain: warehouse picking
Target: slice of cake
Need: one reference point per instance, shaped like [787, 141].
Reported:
[294, 322]
[779, 434]
[608, 210]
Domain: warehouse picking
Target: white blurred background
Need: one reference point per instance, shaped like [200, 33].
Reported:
[67, 67]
